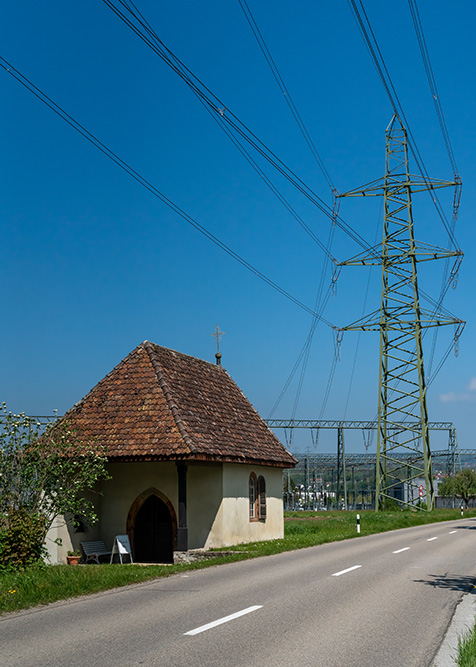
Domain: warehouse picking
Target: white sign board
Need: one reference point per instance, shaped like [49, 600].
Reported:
[121, 546]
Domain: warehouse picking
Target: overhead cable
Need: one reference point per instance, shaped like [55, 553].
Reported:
[150, 38]
[304, 353]
[304, 131]
[446, 138]
[146, 184]
[319, 310]
[432, 83]
[368, 35]
[285, 91]
[218, 118]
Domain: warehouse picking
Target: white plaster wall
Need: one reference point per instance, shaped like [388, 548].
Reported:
[58, 532]
[62, 536]
[128, 481]
[204, 496]
[233, 525]
[217, 499]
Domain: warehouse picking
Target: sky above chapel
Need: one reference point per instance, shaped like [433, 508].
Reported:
[92, 264]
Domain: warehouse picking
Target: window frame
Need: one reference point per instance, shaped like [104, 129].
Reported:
[257, 503]
[253, 502]
[262, 504]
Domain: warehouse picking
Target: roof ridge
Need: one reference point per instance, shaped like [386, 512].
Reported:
[212, 364]
[149, 348]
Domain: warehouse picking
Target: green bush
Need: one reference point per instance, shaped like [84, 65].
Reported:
[389, 505]
[21, 540]
[44, 473]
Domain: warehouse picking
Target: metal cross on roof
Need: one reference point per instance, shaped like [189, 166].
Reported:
[218, 333]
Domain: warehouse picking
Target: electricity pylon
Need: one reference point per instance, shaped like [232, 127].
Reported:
[402, 406]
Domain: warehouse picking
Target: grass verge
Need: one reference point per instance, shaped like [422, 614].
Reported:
[467, 649]
[21, 590]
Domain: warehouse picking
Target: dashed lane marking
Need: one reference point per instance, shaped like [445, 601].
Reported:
[452, 531]
[399, 551]
[430, 539]
[349, 569]
[225, 619]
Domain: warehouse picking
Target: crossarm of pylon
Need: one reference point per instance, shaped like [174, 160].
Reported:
[397, 180]
[424, 253]
[372, 322]
[369, 322]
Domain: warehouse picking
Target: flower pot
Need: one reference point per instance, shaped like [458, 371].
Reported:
[73, 560]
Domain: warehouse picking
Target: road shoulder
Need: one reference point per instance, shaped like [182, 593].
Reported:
[462, 621]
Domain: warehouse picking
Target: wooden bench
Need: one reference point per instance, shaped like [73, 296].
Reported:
[94, 550]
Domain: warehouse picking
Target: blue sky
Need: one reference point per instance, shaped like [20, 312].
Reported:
[92, 264]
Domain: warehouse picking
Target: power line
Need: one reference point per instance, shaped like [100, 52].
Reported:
[254, 165]
[285, 91]
[310, 339]
[306, 348]
[370, 40]
[216, 105]
[304, 131]
[219, 120]
[301, 355]
[432, 83]
[446, 138]
[354, 364]
[143, 30]
[149, 186]
[376, 55]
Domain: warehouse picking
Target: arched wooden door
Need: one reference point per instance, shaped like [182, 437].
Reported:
[152, 526]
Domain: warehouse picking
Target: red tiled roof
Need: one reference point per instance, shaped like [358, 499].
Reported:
[158, 404]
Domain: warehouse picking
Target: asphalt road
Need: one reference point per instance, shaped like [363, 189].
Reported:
[378, 601]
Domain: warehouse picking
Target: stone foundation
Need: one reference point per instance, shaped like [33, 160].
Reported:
[194, 555]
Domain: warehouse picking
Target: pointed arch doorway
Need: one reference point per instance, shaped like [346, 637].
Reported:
[152, 528]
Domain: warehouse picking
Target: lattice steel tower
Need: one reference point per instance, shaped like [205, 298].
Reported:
[400, 321]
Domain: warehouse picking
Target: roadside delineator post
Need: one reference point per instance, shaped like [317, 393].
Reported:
[358, 523]
[462, 507]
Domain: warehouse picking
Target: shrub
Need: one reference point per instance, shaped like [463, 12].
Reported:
[389, 505]
[44, 473]
[21, 539]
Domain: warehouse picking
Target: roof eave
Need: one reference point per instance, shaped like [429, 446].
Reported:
[203, 458]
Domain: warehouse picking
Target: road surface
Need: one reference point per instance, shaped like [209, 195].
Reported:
[383, 600]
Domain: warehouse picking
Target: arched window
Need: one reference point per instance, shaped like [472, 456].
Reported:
[261, 498]
[253, 496]
[257, 496]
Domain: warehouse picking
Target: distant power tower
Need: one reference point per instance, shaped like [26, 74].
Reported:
[402, 405]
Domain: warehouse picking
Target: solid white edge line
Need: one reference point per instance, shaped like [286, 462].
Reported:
[452, 531]
[225, 619]
[399, 551]
[349, 569]
[430, 539]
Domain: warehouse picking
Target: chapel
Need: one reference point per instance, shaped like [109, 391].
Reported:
[192, 464]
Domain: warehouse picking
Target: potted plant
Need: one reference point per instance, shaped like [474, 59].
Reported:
[73, 557]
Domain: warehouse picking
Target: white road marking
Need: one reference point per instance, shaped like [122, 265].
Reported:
[349, 569]
[399, 551]
[225, 619]
[430, 539]
[453, 531]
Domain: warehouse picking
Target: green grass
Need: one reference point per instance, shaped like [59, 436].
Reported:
[467, 649]
[306, 529]
[35, 586]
